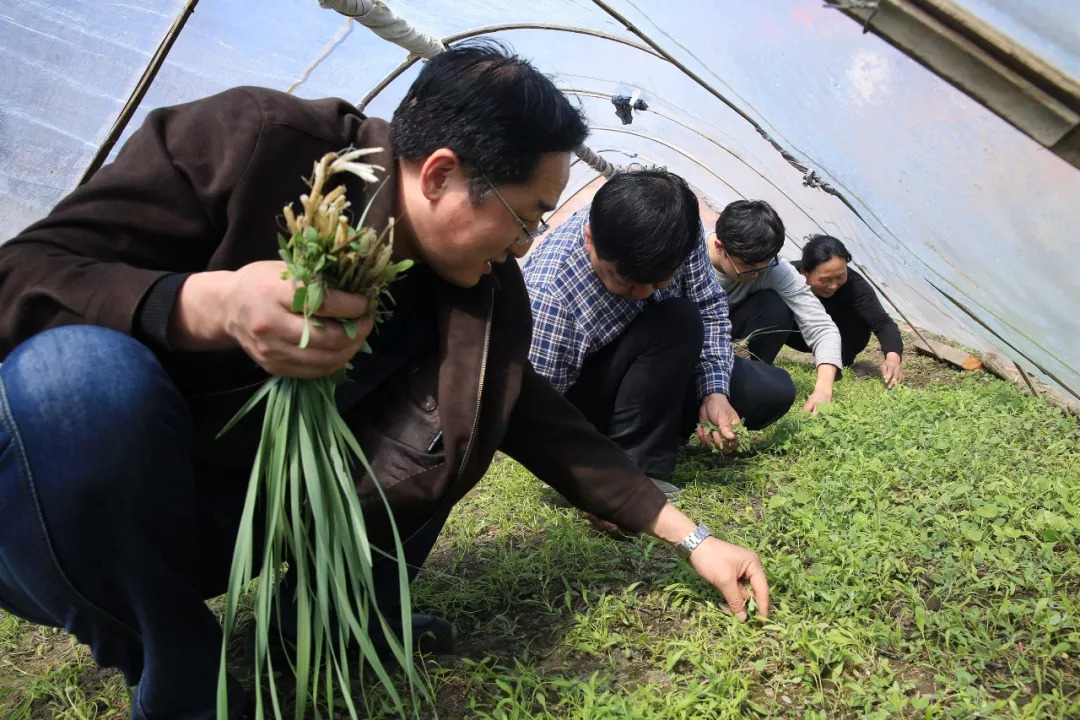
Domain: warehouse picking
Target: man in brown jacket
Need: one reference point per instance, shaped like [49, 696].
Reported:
[146, 308]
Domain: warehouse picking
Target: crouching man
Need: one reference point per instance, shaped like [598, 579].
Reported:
[631, 324]
[768, 296]
[142, 312]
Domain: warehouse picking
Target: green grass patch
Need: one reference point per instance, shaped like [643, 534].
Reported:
[921, 545]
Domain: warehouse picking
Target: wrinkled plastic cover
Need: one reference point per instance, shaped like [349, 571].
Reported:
[949, 197]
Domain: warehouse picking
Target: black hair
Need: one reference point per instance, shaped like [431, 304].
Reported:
[645, 221]
[822, 248]
[751, 231]
[495, 110]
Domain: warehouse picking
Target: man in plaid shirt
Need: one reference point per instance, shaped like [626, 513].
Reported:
[631, 324]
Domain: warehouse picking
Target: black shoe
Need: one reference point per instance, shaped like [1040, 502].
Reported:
[667, 488]
[430, 634]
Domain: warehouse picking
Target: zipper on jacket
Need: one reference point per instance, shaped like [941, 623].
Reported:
[480, 388]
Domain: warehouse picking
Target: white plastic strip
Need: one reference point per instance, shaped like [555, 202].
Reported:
[382, 21]
[595, 161]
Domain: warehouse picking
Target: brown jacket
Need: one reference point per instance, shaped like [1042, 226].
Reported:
[201, 187]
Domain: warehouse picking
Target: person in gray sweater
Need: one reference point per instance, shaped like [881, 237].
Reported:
[767, 296]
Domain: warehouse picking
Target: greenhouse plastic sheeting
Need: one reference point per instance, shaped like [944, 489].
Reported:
[1048, 28]
[66, 70]
[948, 197]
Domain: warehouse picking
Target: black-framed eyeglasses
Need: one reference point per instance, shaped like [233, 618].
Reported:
[529, 235]
[750, 273]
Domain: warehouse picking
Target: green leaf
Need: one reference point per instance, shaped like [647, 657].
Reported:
[350, 328]
[311, 236]
[839, 638]
[1054, 521]
[316, 292]
[988, 511]
[801, 497]
[972, 533]
[299, 299]
[240, 571]
[255, 399]
[779, 501]
[290, 268]
[757, 707]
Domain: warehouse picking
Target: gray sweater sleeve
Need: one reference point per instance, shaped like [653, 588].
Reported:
[817, 328]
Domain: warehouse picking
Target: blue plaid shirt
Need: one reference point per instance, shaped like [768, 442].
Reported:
[574, 315]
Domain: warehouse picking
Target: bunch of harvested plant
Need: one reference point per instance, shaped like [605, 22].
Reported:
[303, 478]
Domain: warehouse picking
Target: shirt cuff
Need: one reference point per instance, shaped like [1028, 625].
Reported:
[828, 358]
[710, 384]
[152, 317]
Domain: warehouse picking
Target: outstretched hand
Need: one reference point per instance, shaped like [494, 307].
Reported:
[729, 568]
[890, 370]
[717, 421]
[735, 572]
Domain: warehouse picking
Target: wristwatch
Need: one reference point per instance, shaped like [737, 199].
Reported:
[692, 540]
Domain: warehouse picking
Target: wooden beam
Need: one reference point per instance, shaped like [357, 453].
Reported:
[954, 356]
[137, 95]
[1031, 94]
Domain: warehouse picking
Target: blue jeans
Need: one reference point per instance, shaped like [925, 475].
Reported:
[108, 526]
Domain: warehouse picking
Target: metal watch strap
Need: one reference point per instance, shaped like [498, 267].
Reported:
[692, 540]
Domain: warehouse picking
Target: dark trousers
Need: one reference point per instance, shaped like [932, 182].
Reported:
[766, 319]
[641, 389]
[854, 337]
[107, 526]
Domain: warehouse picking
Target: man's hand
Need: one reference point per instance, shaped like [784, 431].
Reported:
[252, 308]
[730, 568]
[890, 370]
[727, 567]
[717, 410]
[602, 525]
